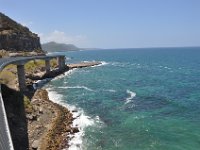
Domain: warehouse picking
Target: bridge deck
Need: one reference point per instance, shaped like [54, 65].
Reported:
[5, 136]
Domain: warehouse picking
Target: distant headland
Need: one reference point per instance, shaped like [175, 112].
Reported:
[62, 47]
[58, 47]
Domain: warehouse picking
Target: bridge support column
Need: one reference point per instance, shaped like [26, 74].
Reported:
[48, 66]
[61, 62]
[21, 77]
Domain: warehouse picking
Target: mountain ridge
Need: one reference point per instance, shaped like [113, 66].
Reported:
[58, 47]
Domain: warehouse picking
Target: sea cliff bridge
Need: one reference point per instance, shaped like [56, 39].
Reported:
[5, 136]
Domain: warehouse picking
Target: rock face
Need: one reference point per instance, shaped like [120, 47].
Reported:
[15, 37]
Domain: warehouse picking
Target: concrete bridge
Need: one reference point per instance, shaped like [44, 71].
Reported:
[5, 136]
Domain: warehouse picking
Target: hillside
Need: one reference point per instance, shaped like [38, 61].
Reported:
[14, 37]
[58, 47]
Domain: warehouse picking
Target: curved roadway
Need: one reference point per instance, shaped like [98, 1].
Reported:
[5, 136]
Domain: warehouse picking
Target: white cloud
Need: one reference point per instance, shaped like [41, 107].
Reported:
[62, 37]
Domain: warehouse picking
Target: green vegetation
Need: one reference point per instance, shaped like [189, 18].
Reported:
[9, 24]
[33, 65]
[54, 63]
[3, 53]
[9, 74]
[27, 104]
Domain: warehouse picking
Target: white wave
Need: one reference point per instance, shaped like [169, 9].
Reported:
[67, 73]
[76, 87]
[132, 95]
[85, 61]
[117, 64]
[110, 90]
[120, 64]
[54, 96]
[81, 121]
[70, 72]
[103, 63]
[165, 67]
[39, 83]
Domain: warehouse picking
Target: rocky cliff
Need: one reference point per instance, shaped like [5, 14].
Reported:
[15, 37]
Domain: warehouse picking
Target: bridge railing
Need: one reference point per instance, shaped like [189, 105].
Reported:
[5, 136]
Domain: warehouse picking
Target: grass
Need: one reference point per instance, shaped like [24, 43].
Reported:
[54, 63]
[9, 73]
[32, 65]
[27, 104]
[3, 53]
[6, 53]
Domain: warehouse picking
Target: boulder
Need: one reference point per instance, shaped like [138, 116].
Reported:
[35, 145]
[75, 130]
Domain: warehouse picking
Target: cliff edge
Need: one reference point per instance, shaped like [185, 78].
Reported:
[14, 37]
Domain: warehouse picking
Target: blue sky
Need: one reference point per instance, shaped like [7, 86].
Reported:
[110, 23]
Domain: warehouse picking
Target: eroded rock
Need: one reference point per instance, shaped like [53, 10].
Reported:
[16, 37]
[35, 145]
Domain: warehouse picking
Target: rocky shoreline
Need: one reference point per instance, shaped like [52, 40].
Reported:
[36, 122]
[49, 124]
[53, 132]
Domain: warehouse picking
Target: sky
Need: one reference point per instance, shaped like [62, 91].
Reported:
[110, 23]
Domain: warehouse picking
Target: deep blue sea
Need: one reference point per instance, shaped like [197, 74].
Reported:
[139, 99]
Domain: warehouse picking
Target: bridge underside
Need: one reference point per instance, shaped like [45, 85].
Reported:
[5, 137]
[21, 69]
[20, 63]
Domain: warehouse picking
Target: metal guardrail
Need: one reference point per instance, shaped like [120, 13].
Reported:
[5, 136]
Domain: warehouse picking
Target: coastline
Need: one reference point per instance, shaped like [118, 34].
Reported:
[79, 119]
[64, 131]
[42, 123]
[49, 124]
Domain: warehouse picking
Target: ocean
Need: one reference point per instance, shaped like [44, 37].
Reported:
[138, 99]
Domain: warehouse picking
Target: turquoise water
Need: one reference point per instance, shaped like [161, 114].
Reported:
[141, 99]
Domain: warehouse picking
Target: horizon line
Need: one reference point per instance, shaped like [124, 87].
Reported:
[144, 47]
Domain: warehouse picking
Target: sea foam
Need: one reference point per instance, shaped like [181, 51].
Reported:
[103, 63]
[76, 87]
[80, 120]
[110, 90]
[131, 96]
[68, 73]
[39, 83]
